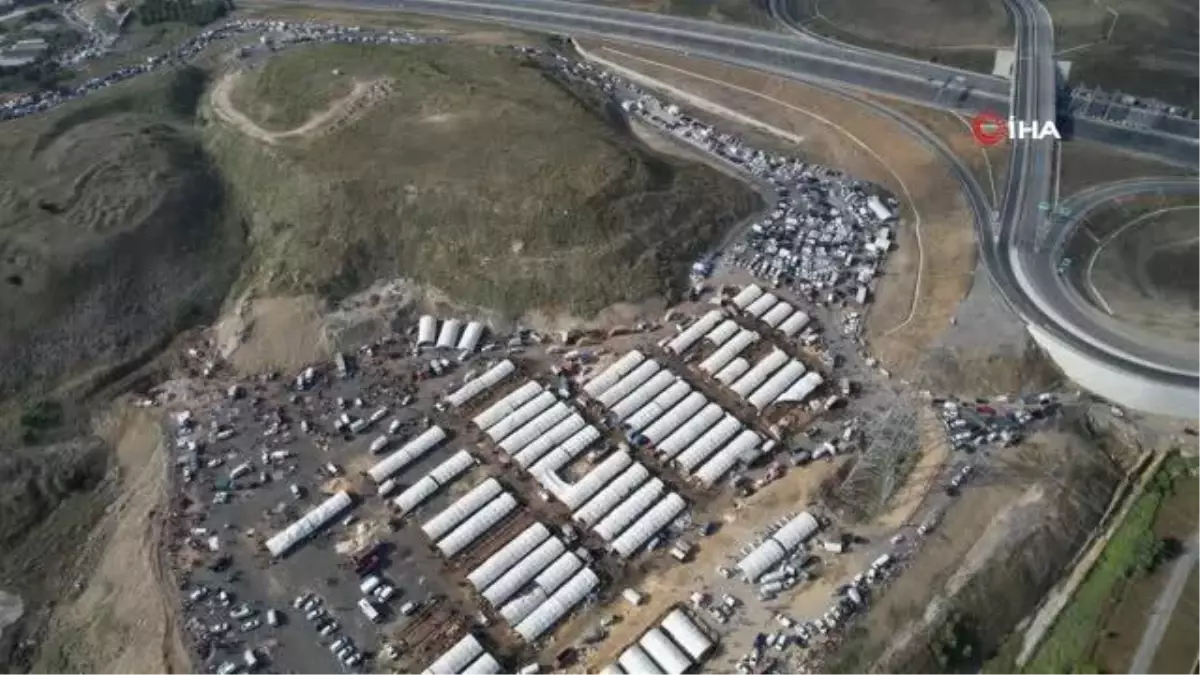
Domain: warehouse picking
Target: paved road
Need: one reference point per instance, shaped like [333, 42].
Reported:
[1164, 607]
[1012, 255]
[805, 59]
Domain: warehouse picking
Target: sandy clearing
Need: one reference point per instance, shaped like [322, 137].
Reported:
[285, 333]
[124, 621]
[362, 93]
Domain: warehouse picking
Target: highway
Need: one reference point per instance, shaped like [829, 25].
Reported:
[822, 61]
[1014, 255]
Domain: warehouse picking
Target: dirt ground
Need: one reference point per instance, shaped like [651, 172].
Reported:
[931, 269]
[935, 451]
[123, 620]
[361, 95]
[273, 333]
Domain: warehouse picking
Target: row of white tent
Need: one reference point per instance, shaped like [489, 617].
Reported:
[772, 551]
[476, 386]
[469, 517]
[675, 646]
[533, 581]
[700, 438]
[453, 334]
[771, 310]
[465, 656]
[544, 435]
[773, 379]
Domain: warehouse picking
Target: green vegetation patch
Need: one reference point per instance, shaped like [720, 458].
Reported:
[197, 12]
[477, 174]
[1133, 551]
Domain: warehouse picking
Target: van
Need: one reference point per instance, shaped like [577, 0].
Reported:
[272, 618]
[369, 610]
[408, 608]
[369, 584]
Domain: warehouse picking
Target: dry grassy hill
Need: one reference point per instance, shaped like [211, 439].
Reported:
[464, 168]
[138, 212]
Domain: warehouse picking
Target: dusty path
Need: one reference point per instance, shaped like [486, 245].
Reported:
[1164, 607]
[124, 620]
[341, 108]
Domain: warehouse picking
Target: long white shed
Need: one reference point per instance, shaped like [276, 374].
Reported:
[627, 511]
[507, 405]
[310, 522]
[687, 434]
[762, 304]
[477, 525]
[657, 407]
[457, 657]
[687, 634]
[660, 648]
[746, 296]
[448, 337]
[802, 389]
[558, 605]
[721, 334]
[490, 378]
[613, 374]
[644, 394]
[797, 530]
[635, 660]
[612, 494]
[528, 410]
[408, 453]
[520, 574]
[510, 554]
[777, 314]
[470, 337]
[566, 451]
[785, 540]
[707, 444]
[547, 441]
[726, 353]
[558, 573]
[692, 334]
[441, 524]
[650, 524]
[731, 372]
[775, 385]
[758, 373]
[426, 330]
[598, 477]
[428, 485]
[675, 417]
[540, 424]
[764, 556]
[522, 606]
[720, 464]
[628, 383]
[794, 324]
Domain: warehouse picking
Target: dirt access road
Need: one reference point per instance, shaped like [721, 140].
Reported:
[1164, 608]
[124, 618]
[363, 94]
